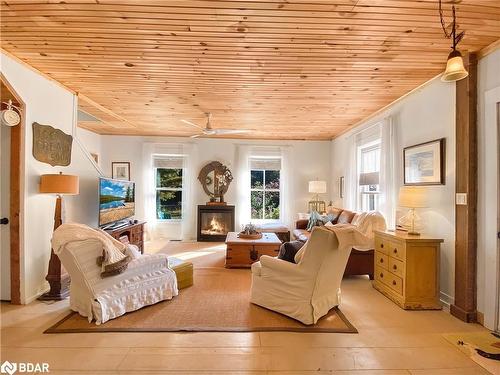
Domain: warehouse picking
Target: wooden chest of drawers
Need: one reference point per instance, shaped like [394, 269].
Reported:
[407, 269]
[243, 252]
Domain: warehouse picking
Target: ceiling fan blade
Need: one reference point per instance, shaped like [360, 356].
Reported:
[231, 131]
[192, 124]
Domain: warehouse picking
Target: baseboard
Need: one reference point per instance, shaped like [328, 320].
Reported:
[446, 300]
[466, 316]
[35, 296]
[480, 318]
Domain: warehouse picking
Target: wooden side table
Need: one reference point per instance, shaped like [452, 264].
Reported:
[134, 232]
[407, 269]
[242, 252]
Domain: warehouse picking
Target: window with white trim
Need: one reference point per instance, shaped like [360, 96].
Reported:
[368, 176]
[169, 184]
[265, 183]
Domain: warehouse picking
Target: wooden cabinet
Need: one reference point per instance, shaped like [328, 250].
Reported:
[134, 233]
[407, 269]
[243, 252]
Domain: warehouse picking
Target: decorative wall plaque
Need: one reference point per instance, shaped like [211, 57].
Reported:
[51, 146]
[215, 178]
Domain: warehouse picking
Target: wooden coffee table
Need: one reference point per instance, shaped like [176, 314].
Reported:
[241, 252]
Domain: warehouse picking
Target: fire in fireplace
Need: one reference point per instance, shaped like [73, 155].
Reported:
[214, 222]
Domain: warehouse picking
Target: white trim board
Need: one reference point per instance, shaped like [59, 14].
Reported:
[490, 191]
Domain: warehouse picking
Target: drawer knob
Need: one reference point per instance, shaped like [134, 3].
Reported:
[381, 260]
[394, 267]
[393, 282]
[395, 251]
[381, 274]
[381, 245]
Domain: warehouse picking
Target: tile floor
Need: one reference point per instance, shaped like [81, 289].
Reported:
[391, 341]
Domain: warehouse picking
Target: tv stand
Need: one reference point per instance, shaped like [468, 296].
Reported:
[133, 231]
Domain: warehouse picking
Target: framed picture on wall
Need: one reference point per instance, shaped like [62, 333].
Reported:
[341, 186]
[120, 170]
[424, 164]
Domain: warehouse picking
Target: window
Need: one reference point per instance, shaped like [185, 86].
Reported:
[265, 188]
[369, 168]
[168, 180]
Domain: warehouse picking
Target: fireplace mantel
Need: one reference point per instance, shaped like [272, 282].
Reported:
[214, 222]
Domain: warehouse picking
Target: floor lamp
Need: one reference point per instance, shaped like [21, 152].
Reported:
[59, 184]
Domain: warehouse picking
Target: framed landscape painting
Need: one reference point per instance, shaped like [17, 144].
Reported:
[424, 163]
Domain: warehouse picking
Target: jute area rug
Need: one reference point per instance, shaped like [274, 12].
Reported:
[217, 302]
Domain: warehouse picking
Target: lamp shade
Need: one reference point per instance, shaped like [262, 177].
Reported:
[412, 197]
[368, 179]
[317, 187]
[455, 69]
[59, 184]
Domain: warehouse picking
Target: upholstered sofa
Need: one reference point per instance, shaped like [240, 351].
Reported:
[360, 262]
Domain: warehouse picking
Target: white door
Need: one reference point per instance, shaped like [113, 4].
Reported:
[497, 314]
[4, 212]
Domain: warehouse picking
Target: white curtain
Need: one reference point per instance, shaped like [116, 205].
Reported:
[243, 185]
[351, 175]
[148, 190]
[189, 184]
[287, 187]
[388, 168]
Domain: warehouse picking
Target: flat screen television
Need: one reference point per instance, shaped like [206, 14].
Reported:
[116, 201]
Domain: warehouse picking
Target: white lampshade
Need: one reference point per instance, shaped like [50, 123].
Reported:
[317, 187]
[455, 69]
[412, 197]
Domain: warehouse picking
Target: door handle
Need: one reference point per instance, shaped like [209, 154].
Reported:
[4, 221]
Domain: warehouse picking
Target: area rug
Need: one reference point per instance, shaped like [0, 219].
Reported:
[217, 302]
[470, 342]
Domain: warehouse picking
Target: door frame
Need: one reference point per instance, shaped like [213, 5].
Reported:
[492, 209]
[16, 197]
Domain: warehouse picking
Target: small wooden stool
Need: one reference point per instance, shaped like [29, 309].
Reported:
[183, 271]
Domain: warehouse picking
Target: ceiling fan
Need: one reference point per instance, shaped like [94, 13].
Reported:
[209, 131]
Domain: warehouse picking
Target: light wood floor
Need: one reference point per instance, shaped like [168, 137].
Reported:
[390, 341]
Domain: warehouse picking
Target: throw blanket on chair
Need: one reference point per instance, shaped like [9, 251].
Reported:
[112, 262]
[360, 234]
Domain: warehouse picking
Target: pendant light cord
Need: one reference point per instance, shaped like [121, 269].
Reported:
[450, 35]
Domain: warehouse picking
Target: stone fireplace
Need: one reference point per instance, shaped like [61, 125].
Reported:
[214, 222]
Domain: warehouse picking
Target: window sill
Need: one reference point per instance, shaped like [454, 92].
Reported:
[169, 221]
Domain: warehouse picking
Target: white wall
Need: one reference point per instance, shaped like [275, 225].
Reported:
[312, 160]
[488, 196]
[50, 104]
[424, 115]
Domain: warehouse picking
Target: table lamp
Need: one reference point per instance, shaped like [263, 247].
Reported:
[412, 198]
[317, 187]
[59, 184]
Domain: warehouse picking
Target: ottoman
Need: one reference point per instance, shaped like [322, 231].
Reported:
[183, 271]
[281, 230]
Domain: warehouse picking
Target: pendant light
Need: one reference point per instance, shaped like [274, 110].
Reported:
[455, 69]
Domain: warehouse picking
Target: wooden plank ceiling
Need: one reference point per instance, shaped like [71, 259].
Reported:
[287, 69]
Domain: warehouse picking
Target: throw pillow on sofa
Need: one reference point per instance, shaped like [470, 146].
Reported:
[318, 220]
[289, 249]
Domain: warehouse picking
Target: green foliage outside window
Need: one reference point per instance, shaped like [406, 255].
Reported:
[168, 193]
[265, 194]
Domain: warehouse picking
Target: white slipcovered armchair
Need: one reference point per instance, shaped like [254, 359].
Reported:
[308, 289]
[147, 280]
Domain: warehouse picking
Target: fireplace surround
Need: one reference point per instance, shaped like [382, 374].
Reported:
[214, 222]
